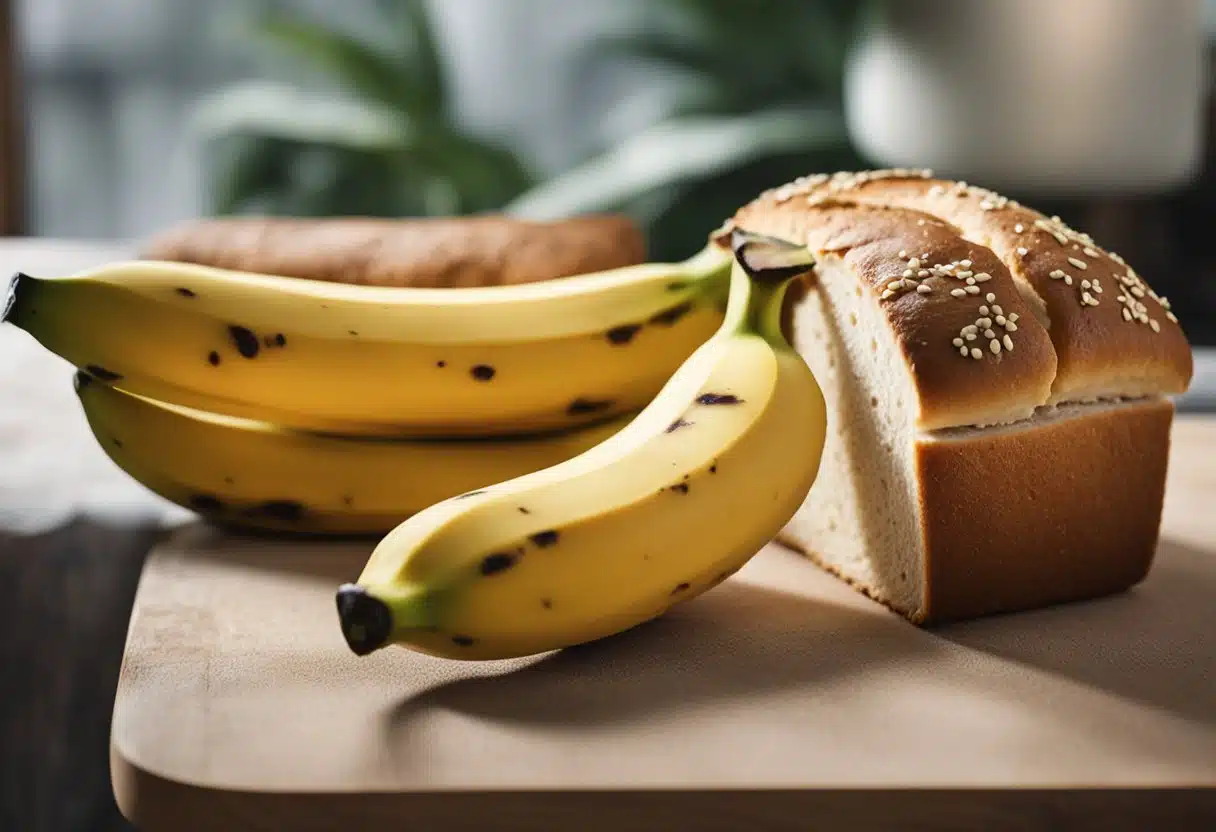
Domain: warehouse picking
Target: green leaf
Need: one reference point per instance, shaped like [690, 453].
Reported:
[274, 110]
[675, 151]
[360, 67]
[423, 56]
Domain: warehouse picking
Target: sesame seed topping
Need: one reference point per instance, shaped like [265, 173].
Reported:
[1089, 252]
[983, 310]
[976, 354]
[923, 289]
[908, 273]
[1080, 264]
[1010, 326]
[1097, 286]
[983, 323]
[995, 346]
[1019, 228]
[887, 293]
[970, 328]
[1127, 314]
[998, 310]
[1170, 315]
[922, 273]
[1023, 251]
[1000, 320]
[973, 290]
[1056, 274]
[1013, 316]
[958, 293]
[958, 342]
[903, 253]
[966, 264]
[1088, 300]
[1067, 280]
[990, 297]
[962, 351]
[970, 281]
[1085, 284]
[988, 333]
[1137, 291]
[913, 263]
[894, 284]
[983, 277]
[920, 222]
[970, 336]
[1153, 323]
[1008, 342]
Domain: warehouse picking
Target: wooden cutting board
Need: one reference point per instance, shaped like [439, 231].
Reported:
[781, 699]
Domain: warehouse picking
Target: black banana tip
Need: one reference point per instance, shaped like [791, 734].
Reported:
[768, 259]
[81, 380]
[10, 296]
[367, 622]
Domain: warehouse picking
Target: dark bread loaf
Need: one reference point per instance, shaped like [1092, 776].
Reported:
[425, 252]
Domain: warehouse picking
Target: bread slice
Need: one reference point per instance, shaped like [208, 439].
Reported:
[998, 396]
[434, 252]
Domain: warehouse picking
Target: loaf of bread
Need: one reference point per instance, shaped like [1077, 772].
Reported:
[998, 395]
[438, 252]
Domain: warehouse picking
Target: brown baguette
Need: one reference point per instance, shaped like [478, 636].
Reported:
[956, 484]
[443, 252]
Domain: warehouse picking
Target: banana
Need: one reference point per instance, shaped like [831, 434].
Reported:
[657, 514]
[260, 476]
[372, 360]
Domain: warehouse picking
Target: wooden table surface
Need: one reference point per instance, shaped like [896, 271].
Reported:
[239, 706]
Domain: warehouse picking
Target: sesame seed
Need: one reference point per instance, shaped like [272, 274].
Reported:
[964, 273]
[1000, 320]
[1137, 291]
[1008, 343]
[1056, 274]
[913, 263]
[935, 190]
[983, 277]
[1013, 316]
[970, 328]
[1067, 280]
[962, 351]
[1153, 323]
[886, 294]
[998, 310]
[922, 273]
[1010, 326]
[971, 282]
[976, 354]
[1080, 264]
[958, 342]
[1097, 286]
[990, 297]
[1019, 228]
[924, 290]
[958, 293]
[983, 310]
[903, 253]
[970, 336]
[1085, 284]
[893, 285]
[988, 333]
[983, 323]
[1127, 314]
[908, 273]
[1060, 238]
[1023, 251]
[1170, 315]
[920, 222]
[1089, 252]
[995, 346]
[966, 264]
[973, 290]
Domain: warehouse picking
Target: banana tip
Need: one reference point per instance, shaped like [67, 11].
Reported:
[367, 622]
[10, 296]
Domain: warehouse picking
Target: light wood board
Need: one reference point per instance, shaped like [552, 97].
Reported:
[781, 699]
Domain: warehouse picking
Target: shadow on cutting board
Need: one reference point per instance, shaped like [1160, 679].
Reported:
[1155, 644]
[731, 644]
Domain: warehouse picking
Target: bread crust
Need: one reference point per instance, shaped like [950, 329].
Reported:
[888, 246]
[1112, 334]
[440, 252]
[1062, 509]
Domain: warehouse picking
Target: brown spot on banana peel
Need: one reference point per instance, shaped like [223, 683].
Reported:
[245, 341]
[496, 563]
[205, 503]
[679, 488]
[582, 407]
[482, 372]
[523, 510]
[718, 398]
[545, 538]
[213, 358]
[620, 335]
[672, 314]
[684, 587]
[468, 494]
[676, 425]
[463, 641]
[288, 511]
[184, 292]
[277, 340]
[102, 374]
[547, 603]
[441, 364]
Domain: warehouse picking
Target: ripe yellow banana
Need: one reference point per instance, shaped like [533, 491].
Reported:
[390, 361]
[660, 512]
[257, 475]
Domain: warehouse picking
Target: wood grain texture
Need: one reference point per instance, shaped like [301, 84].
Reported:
[778, 697]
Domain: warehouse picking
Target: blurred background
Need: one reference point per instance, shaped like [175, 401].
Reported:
[123, 116]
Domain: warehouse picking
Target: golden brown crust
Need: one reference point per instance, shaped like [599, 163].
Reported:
[1112, 334]
[1065, 510]
[941, 295]
[425, 252]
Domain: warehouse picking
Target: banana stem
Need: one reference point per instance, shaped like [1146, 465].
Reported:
[755, 305]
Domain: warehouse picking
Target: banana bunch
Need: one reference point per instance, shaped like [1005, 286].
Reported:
[296, 405]
[658, 513]
[345, 359]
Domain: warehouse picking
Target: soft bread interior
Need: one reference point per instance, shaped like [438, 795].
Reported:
[865, 497]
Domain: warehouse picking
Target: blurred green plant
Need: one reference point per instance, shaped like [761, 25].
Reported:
[386, 145]
[759, 102]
